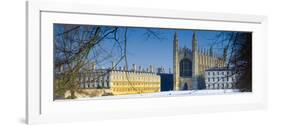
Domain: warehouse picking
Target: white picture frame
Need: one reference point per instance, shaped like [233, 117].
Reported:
[41, 108]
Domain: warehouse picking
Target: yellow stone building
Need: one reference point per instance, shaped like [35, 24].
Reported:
[121, 82]
[133, 82]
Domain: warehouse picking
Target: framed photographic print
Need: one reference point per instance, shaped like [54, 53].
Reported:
[92, 62]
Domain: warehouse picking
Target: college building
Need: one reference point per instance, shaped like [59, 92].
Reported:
[220, 78]
[121, 81]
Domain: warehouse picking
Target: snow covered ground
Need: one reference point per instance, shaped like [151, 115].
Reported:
[170, 93]
[194, 92]
[180, 93]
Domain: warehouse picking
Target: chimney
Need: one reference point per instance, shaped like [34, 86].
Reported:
[125, 68]
[112, 65]
[140, 68]
[94, 66]
[150, 68]
[134, 67]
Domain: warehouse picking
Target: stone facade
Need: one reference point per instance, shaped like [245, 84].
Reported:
[133, 82]
[190, 64]
[94, 79]
[121, 82]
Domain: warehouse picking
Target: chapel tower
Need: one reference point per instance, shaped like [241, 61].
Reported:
[176, 62]
[194, 61]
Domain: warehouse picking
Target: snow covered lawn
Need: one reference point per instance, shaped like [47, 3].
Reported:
[189, 92]
[170, 93]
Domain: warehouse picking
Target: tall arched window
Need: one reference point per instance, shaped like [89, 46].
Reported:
[185, 68]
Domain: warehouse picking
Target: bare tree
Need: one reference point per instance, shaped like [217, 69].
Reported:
[75, 47]
[237, 50]
[78, 46]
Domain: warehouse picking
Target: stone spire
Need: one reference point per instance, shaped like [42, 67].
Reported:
[176, 62]
[194, 61]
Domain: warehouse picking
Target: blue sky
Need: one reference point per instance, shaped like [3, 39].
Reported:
[143, 50]
[159, 52]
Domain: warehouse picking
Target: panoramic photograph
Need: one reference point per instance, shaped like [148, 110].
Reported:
[93, 61]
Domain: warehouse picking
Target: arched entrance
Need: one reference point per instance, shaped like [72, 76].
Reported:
[185, 86]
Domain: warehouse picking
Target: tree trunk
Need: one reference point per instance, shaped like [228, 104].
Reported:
[72, 94]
